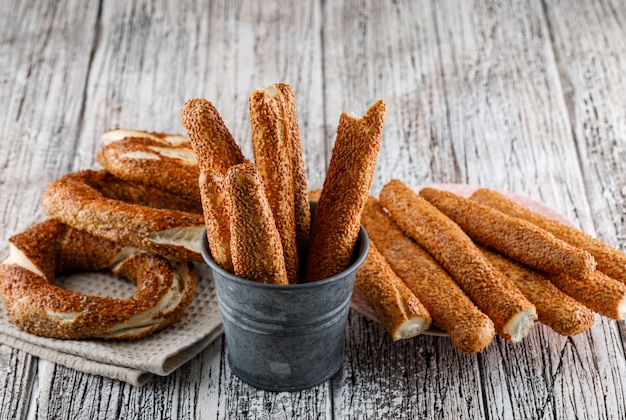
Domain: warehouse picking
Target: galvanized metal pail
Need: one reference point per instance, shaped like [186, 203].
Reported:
[285, 337]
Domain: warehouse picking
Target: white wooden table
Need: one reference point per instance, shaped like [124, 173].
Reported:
[526, 96]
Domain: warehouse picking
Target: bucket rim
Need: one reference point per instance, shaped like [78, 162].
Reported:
[361, 247]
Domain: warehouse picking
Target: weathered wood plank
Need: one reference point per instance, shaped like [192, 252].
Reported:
[190, 392]
[504, 114]
[385, 49]
[474, 96]
[507, 114]
[151, 58]
[510, 129]
[592, 63]
[17, 374]
[239, 400]
[43, 74]
[148, 59]
[198, 384]
[424, 377]
[388, 50]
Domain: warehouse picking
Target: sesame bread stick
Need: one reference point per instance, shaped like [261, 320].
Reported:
[451, 310]
[214, 146]
[216, 151]
[517, 239]
[257, 253]
[273, 148]
[335, 226]
[215, 207]
[512, 314]
[301, 204]
[555, 309]
[396, 307]
[599, 292]
[609, 260]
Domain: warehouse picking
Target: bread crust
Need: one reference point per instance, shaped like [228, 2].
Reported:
[216, 210]
[76, 199]
[255, 244]
[150, 162]
[302, 208]
[599, 292]
[335, 225]
[164, 288]
[609, 260]
[555, 309]
[396, 307]
[516, 238]
[214, 146]
[273, 147]
[451, 310]
[489, 289]
[216, 151]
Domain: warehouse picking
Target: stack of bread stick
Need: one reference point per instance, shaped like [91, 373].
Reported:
[488, 264]
[472, 267]
[257, 214]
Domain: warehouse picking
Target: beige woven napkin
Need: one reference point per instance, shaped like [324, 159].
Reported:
[136, 361]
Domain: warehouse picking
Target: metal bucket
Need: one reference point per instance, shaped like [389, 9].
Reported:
[285, 337]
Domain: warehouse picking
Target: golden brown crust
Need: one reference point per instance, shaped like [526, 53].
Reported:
[609, 260]
[273, 156]
[35, 304]
[451, 310]
[518, 239]
[216, 151]
[396, 307]
[555, 309]
[598, 292]
[489, 289]
[256, 250]
[301, 204]
[144, 195]
[216, 209]
[335, 226]
[150, 162]
[214, 146]
[75, 199]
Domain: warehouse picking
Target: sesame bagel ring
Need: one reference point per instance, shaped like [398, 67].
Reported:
[161, 161]
[164, 288]
[85, 201]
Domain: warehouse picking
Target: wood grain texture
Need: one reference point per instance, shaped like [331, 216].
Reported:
[510, 126]
[17, 370]
[591, 64]
[42, 77]
[524, 96]
[151, 58]
[507, 114]
[388, 50]
[148, 58]
[423, 377]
